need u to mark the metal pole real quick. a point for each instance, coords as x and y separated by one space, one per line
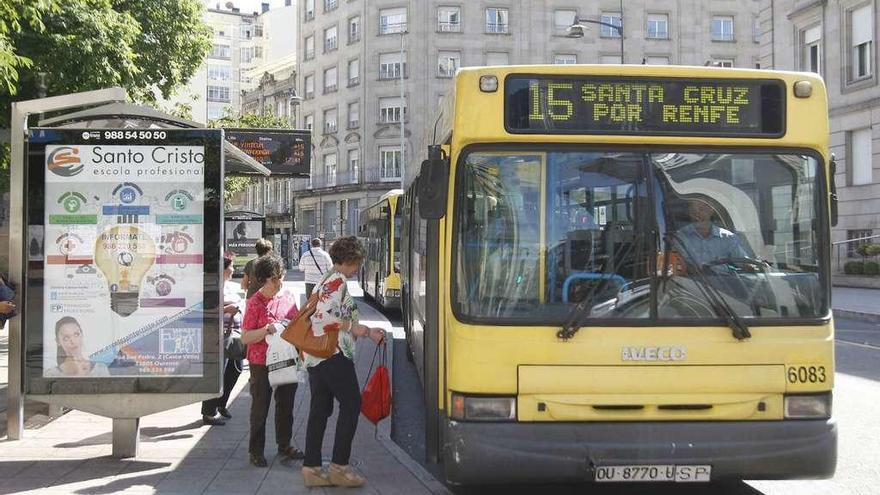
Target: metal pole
402 113
621 32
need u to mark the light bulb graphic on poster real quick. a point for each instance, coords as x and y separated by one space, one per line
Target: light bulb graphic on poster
124 262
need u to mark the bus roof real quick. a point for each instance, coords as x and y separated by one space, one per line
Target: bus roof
469 115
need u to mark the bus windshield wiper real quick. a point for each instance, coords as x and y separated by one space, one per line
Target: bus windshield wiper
713 295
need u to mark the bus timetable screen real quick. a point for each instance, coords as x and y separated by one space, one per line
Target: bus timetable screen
631 105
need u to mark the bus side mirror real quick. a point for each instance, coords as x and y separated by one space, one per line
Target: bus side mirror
833 189
433 185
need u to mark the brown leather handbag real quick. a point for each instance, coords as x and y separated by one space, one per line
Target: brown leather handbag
299 333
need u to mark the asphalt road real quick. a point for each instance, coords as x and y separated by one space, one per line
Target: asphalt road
856 399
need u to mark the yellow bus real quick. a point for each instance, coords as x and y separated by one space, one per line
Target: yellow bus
621 273
379 231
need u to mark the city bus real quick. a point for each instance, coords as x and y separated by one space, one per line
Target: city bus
621 274
379 231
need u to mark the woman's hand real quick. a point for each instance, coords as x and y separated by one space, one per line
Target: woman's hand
377 335
230 309
6 307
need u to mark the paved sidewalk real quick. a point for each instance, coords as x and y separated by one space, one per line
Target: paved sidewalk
860 304
179 455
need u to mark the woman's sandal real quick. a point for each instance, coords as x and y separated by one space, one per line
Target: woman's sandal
345 476
291 453
315 476
258 460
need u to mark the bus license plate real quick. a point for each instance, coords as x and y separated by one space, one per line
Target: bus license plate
654 473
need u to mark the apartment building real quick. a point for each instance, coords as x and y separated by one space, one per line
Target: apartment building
835 38
353 56
242 41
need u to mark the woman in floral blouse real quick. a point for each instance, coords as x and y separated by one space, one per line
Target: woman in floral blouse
335 377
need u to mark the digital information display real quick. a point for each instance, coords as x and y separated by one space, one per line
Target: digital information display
127 264
285 152
631 105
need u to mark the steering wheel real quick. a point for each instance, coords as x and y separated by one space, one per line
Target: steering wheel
759 264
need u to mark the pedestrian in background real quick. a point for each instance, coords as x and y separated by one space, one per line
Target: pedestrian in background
315 263
248 281
335 377
7 296
232 369
264 315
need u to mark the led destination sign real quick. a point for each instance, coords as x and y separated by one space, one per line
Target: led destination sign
686 107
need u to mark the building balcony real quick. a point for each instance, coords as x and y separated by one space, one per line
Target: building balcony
341 179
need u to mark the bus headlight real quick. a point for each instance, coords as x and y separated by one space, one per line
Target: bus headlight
817 406
466 408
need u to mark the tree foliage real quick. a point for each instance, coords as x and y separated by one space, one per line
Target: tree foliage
15 16
235 184
80 45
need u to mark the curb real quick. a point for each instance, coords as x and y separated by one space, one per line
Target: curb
856 315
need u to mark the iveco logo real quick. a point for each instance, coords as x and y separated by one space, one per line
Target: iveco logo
661 353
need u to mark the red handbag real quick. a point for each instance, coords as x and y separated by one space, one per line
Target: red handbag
376 396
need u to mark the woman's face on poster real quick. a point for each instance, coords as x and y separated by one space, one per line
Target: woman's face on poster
70 339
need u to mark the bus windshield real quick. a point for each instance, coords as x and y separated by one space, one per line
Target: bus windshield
630 235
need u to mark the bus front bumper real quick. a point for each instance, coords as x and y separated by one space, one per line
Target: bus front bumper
477 453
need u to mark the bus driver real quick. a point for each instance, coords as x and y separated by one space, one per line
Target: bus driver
702 242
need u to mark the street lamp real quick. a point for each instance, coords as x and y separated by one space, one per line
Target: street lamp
292 101
576 30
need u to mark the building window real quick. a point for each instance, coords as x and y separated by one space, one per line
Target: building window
497 21
722 62
497 58
330 39
390 66
563 19
861 41
222 52
354 165
330 80
330 5
389 162
391 110
309 83
330 125
310 48
258 30
218 93
614 19
354 72
330 169
565 59
220 72
448 63
449 19
354 115
354 30
811 49
609 59
722 28
861 160
309 122
247 54
392 20
310 10
756 29
658 26
657 60
852 235
215 112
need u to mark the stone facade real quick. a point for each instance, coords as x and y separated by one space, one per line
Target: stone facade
836 39
355 159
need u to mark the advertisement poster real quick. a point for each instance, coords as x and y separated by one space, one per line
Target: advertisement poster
124 266
285 152
242 235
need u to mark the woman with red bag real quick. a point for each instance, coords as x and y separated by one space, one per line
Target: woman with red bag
335 377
